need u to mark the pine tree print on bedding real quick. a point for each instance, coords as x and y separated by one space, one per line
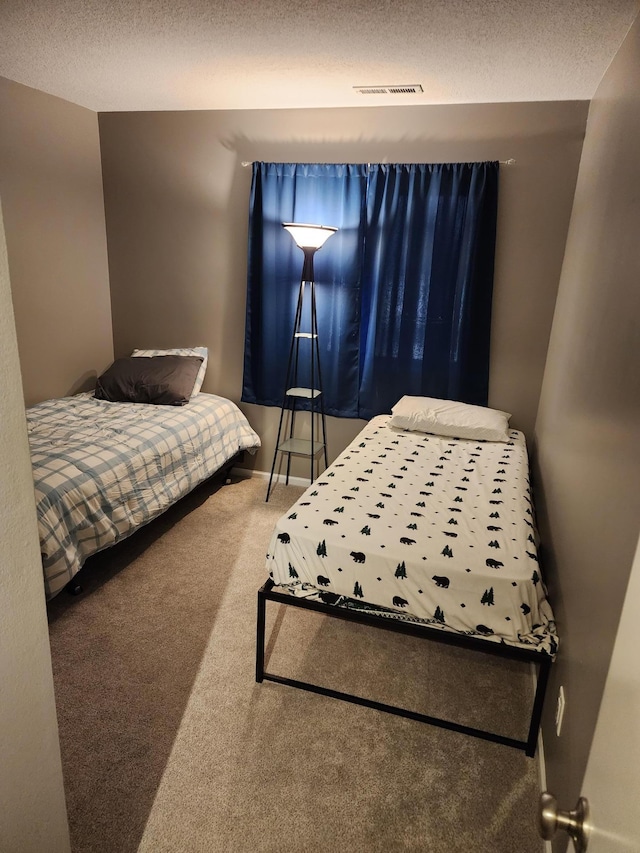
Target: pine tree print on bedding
422 527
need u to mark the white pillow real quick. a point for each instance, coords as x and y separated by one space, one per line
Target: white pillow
450 418
203 352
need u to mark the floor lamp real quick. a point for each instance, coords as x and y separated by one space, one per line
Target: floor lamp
309 238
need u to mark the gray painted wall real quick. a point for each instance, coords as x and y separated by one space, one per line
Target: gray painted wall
176 197
51 185
32 807
587 432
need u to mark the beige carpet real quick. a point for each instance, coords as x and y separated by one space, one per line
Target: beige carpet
168 744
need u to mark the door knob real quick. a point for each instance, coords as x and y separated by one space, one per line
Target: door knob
575 823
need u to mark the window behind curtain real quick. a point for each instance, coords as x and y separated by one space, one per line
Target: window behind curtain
403 289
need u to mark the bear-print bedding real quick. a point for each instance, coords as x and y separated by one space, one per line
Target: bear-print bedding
424 527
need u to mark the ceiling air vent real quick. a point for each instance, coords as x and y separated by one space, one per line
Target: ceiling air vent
411 89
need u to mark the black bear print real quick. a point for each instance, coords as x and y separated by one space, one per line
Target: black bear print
372 515
492 527
399 602
532 556
449 533
482 629
322 581
329 521
494 564
284 537
348 498
358 556
404 540
441 581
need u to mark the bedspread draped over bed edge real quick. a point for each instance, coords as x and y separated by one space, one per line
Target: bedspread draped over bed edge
102 469
426 528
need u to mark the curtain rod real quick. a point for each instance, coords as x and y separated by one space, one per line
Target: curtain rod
510 162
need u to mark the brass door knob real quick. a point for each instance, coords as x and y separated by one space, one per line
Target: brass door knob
575 823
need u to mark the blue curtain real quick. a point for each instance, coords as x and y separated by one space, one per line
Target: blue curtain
403 289
321 195
428 272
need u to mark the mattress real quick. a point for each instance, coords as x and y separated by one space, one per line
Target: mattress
423 527
102 470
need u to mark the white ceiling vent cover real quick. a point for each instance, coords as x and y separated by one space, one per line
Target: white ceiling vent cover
409 89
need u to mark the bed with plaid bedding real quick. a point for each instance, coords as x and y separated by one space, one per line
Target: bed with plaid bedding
102 470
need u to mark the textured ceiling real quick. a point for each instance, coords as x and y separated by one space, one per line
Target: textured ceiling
228 54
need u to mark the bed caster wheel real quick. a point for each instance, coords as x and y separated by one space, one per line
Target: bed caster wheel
74 588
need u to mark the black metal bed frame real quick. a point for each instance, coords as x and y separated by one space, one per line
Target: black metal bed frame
541 659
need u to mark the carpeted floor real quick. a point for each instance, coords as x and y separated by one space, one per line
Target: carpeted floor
168 744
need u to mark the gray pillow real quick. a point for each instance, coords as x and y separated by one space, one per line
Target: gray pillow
165 380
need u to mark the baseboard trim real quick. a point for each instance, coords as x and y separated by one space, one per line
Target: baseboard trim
542 768
248 473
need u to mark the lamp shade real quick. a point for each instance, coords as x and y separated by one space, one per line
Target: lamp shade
309 236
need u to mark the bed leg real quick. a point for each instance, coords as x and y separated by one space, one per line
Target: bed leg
538 703
74 587
262 607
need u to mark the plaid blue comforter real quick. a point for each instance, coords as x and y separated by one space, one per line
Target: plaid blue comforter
101 470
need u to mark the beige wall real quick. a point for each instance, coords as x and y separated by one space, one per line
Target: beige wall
176 198
32 806
588 426
51 185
